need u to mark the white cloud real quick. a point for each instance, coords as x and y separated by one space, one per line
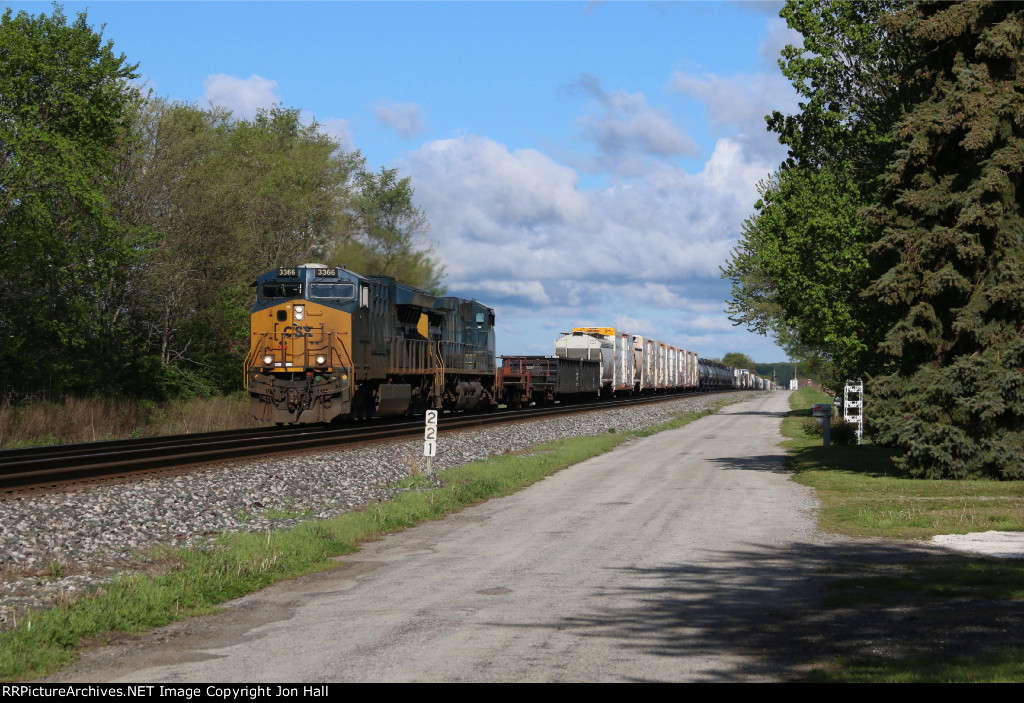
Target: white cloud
340 130
405 118
480 189
243 96
737 105
628 131
711 324
530 292
515 215
779 34
516 231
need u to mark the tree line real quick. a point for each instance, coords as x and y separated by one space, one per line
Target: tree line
132 227
890 243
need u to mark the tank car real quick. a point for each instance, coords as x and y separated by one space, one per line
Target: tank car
327 343
716 376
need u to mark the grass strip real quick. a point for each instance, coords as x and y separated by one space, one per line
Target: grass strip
241 563
862 494
1006 666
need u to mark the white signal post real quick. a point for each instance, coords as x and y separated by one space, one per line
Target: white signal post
430 439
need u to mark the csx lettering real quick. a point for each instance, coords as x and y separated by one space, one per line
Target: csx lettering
297 331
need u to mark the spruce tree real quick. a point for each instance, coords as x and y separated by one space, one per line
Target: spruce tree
950 259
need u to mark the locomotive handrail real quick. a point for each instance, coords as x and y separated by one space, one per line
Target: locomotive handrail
439 374
250 357
335 337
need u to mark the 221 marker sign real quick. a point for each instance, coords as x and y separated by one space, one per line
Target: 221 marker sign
430 434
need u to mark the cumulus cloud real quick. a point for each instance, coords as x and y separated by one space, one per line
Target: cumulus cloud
405 118
516 230
738 104
515 214
628 131
526 292
486 191
243 96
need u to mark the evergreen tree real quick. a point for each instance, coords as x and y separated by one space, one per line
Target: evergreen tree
950 260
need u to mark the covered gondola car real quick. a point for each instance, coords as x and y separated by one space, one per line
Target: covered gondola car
327 343
542 380
614 348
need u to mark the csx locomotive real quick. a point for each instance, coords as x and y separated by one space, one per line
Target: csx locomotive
328 344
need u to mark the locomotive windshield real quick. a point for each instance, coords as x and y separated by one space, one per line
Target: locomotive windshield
335 291
281 289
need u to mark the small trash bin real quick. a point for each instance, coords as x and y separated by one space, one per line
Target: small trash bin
822 412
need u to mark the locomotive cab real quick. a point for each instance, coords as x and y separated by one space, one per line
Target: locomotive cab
300 362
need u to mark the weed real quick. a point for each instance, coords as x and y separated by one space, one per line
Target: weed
69 420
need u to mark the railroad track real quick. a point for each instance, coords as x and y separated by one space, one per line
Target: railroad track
42 468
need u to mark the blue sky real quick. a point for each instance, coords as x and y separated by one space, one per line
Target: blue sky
579 163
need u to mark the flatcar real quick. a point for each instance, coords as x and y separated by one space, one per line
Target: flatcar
327 344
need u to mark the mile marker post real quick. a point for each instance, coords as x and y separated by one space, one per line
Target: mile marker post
430 439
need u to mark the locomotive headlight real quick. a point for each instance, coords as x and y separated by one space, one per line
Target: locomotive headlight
321 360
268 360
299 312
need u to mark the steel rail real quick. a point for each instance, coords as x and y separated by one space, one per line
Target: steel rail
61 463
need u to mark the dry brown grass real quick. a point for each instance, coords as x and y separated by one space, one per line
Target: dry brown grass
88 420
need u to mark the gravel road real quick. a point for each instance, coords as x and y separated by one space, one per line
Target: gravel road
645 564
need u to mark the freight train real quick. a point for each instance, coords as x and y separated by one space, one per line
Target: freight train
329 344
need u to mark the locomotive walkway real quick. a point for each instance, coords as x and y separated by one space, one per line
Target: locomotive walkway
672 558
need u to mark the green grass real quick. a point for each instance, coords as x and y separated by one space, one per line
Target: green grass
865 495
1001 581
194 581
862 494
1005 666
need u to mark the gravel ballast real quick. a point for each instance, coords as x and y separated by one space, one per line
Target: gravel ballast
58 545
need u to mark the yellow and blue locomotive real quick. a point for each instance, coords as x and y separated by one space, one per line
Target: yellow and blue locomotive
328 344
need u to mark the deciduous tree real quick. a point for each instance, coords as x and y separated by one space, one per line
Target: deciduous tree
65 99
801 265
388 233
